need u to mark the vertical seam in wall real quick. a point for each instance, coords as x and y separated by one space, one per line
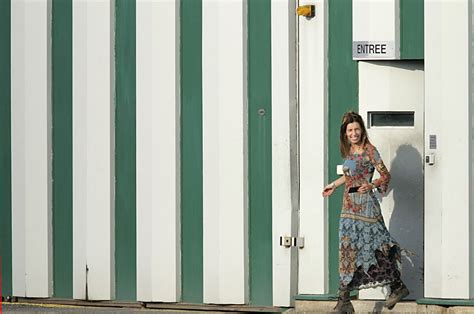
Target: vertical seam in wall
294 139
245 149
326 137
471 147
113 149
401 29
398 22
178 147
49 166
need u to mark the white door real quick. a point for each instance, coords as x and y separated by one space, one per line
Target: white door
391 101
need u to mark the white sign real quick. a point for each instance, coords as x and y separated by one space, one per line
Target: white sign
373 50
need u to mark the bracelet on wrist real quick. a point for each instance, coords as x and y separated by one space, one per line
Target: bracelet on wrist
333 185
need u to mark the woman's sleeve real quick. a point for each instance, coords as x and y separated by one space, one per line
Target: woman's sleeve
382 182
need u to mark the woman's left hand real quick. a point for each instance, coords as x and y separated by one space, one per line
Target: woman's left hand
364 188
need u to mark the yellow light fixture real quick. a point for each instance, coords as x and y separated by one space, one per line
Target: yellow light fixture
306 10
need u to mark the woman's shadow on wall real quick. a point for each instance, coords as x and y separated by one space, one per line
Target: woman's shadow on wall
406 220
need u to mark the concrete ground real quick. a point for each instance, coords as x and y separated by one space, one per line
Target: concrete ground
377 307
300 307
28 305
17 308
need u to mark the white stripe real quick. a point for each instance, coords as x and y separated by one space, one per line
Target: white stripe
313 125
471 147
224 131
93 208
158 243
374 21
31 155
283 144
447 212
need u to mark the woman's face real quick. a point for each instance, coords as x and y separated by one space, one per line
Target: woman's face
354 132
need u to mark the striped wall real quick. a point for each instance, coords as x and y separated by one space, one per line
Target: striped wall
157 150
141 150
176 165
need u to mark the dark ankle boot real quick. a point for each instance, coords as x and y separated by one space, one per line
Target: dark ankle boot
399 291
344 304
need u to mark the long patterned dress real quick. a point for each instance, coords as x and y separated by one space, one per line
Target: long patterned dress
368 255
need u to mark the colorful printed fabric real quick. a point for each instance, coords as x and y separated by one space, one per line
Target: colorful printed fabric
368 255
385 272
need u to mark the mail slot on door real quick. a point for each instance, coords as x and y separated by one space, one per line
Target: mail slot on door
394 119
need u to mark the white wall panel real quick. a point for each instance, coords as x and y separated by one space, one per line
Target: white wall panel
312 273
93 167
158 244
377 22
283 148
447 211
224 139
31 149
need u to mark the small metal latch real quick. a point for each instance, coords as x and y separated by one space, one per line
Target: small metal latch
430 159
306 10
298 242
288 241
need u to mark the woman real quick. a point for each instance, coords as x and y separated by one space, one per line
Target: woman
368 255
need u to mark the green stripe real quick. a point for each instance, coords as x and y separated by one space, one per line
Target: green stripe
343 96
260 152
62 147
5 151
191 151
125 149
446 302
411 29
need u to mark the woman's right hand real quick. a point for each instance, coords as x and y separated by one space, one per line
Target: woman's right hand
328 190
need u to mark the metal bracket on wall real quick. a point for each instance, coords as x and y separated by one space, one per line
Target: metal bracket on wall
289 241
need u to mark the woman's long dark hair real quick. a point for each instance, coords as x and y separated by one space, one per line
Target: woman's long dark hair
344 145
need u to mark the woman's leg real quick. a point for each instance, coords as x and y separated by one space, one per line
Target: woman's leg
398 289
344 304
398 292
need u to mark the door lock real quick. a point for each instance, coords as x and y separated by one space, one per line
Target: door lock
430 159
